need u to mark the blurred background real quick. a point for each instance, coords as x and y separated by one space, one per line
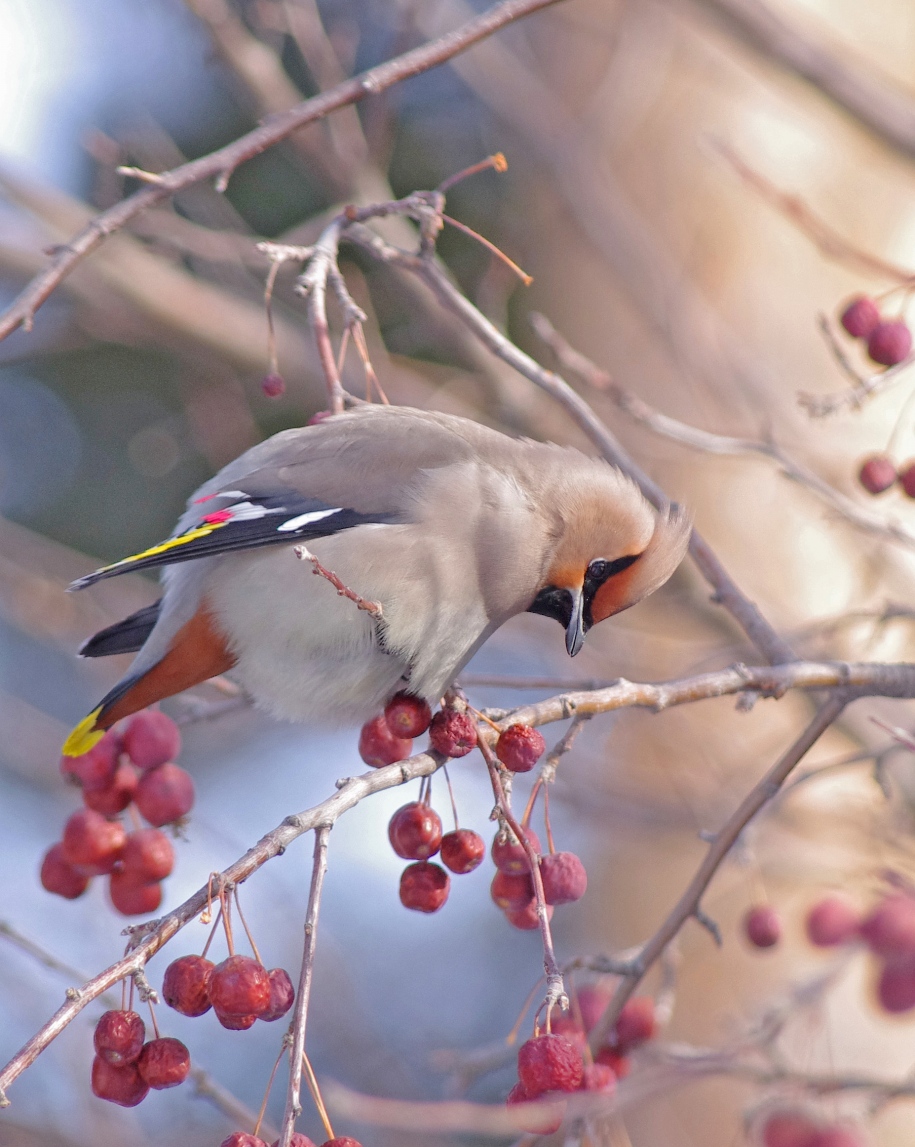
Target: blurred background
653 257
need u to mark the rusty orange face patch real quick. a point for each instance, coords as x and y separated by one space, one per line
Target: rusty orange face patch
614 595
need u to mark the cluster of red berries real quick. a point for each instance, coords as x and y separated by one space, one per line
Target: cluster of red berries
879 472
240 990
388 738
243 1139
415 833
562 873
126 1065
133 766
795 1128
553 1065
889 341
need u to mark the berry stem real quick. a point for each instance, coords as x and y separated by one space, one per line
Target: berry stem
263 1107
516 1027
451 795
531 801
546 819
152 1016
312 1082
555 991
226 913
300 1015
244 924
206 946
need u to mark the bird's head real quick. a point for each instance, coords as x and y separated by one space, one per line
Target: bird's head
613 549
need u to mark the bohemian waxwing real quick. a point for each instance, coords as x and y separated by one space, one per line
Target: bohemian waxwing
453 528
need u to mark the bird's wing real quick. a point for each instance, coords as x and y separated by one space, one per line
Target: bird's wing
125 636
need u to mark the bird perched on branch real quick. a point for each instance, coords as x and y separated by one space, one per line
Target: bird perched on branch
451 528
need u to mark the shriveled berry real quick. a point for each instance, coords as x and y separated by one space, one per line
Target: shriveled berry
122 1085
131 899
788 1129
282 994
564 878
378 746
615 1060
462 850
60 877
877 473
148 855
889 929
520 747
537 1116
297 1140
452 734
242 1139
526 918
509 856
762 926
415 831
235 1023
860 316
185 986
831 921
164 795
151 738
164 1063
407 716
342 1141
636 1024
119 1037
907 479
600 1078
511 889
592 1003
240 986
115 797
424 887
273 385
569 1027
95 769
896 986
549 1063
889 342
91 843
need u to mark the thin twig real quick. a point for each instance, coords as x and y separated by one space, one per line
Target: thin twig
371 607
865 385
300 1015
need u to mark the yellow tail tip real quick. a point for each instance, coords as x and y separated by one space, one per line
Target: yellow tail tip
84 737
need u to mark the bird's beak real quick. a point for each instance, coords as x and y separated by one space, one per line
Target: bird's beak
575 630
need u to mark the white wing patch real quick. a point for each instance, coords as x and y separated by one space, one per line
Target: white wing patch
305 519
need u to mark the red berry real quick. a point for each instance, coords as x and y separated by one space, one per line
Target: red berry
342 1141
907 479
599 1077
512 889
762 926
378 746
520 747
242 1139
889 342
117 796
837 1136
564 878
122 1085
164 1063
60 877
240 986
273 385
542 1119
282 994
164 794
119 1037
452 734
788 1129
415 831
462 850
185 986
509 856
148 855
569 1027
526 918
549 1063
151 738
635 1025
235 1023
132 899
91 843
831 921
889 929
592 1003
407 716
95 769
297 1140
877 474
615 1060
896 986
860 316
424 887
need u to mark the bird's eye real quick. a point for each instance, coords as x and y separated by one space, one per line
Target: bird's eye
600 569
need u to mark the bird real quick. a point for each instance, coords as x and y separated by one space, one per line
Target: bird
449 526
